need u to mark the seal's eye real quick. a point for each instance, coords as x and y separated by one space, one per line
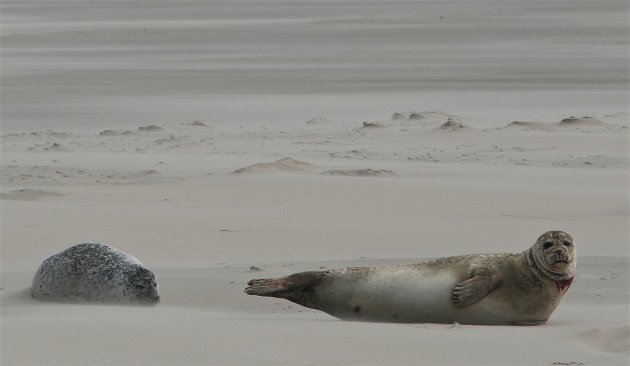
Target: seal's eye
567 243
140 286
547 244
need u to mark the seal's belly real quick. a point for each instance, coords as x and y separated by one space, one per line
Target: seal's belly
406 296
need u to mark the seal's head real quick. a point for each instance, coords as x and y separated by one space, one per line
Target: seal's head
143 287
553 256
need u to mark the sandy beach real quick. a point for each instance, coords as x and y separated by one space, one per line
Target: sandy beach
223 141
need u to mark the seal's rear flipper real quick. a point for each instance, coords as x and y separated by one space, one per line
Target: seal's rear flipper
265 287
288 287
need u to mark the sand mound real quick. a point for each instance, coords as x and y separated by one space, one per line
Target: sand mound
414 116
199 124
361 173
317 121
55 147
613 340
282 165
527 124
115 133
428 115
132 175
452 124
417 116
372 125
150 128
47 133
28 195
584 121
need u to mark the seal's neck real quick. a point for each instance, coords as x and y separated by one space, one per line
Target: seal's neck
563 280
563 285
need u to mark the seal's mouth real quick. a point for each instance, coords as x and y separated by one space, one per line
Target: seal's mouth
559 256
559 260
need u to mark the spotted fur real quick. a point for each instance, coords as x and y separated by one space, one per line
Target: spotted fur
93 272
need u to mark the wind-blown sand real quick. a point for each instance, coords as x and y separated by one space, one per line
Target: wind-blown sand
220 144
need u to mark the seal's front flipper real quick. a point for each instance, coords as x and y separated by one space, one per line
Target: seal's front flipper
283 287
468 292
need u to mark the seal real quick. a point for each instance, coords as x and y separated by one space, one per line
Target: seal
93 272
487 289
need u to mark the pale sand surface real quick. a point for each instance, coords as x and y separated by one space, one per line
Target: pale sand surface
181 209
163 133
